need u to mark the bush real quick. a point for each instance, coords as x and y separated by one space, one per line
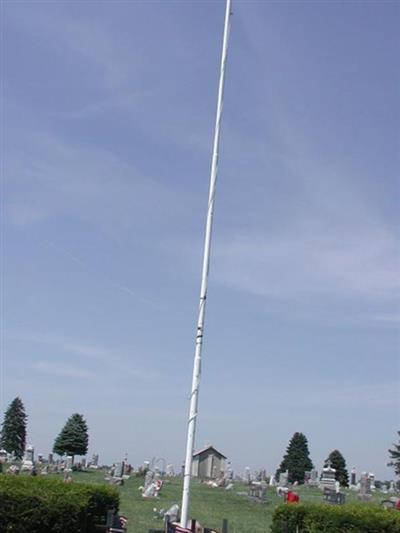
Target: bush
39 505
315 518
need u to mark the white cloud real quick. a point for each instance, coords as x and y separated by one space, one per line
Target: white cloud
113 363
319 233
91 352
54 178
311 260
87 38
62 369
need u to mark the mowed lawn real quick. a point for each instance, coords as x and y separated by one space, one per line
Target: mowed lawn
209 506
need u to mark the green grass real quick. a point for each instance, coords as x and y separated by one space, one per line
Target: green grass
208 505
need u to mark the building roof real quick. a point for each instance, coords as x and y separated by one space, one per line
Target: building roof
206 449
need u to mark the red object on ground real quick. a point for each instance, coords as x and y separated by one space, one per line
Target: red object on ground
398 504
292 497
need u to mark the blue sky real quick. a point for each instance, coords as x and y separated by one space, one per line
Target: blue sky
108 113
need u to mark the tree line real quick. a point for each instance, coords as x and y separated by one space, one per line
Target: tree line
73 438
297 462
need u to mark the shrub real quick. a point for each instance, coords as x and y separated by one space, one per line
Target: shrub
314 518
39 505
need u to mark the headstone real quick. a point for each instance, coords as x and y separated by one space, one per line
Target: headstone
115 523
126 470
247 475
13 469
222 479
170 470
272 481
148 480
3 456
365 487
28 460
335 497
119 469
83 462
29 453
50 459
152 486
258 491
116 474
372 481
328 478
172 514
229 471
11 457
392 487
313 482
40 458
283 479
353 481
69 463
94 463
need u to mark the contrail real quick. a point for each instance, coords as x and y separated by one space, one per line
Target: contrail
106 277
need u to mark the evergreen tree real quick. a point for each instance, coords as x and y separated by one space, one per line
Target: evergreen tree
395 457
297 459
338 462
13 432
73 438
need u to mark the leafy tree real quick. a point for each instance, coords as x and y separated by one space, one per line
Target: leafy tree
395 457
73 438
13 432
338 462
297 459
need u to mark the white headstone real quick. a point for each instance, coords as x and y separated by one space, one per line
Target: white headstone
313 482
365 487
29 453
119 469
328 481
69 463
28 460
283 479
94 463
372 481
148 480
170 470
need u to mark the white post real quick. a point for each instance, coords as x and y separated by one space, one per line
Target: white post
204 280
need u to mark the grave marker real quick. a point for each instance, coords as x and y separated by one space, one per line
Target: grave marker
283 479
365 487
328 481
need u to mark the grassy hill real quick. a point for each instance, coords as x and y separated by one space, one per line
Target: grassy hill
209 506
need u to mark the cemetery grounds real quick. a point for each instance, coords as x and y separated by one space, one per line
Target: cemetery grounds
208 505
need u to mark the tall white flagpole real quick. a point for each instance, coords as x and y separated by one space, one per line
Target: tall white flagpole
204 281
